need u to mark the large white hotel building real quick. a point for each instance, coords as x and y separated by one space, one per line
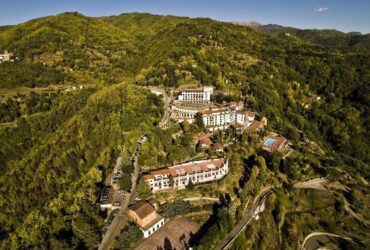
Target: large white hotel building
196 95
180 176
221 119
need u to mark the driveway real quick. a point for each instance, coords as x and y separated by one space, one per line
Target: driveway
120 219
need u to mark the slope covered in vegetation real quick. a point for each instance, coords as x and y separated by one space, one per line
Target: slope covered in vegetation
49 190
53 161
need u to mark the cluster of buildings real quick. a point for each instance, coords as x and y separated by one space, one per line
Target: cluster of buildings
191 102
6 56
159 232
217 116
180 176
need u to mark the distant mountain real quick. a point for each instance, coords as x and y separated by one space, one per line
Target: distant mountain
248 24
327 37
53 162
5 27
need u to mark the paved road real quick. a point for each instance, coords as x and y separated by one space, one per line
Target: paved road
117 165
202 199
323 184
119 219
254 209
319 183
316 239
167 110
251 211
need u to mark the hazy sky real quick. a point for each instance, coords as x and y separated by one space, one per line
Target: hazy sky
344 15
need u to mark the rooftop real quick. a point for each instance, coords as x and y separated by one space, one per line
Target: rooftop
247 112
218 147
142 209
153 222
188 168
254 127
175 234
214 111
205 142
192 90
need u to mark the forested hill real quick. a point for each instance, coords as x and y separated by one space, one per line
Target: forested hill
327 37
62 144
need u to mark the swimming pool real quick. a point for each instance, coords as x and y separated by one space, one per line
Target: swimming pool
270 142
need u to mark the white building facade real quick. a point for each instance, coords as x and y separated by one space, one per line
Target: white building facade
5 57
196 95
152 228
180 176
222 119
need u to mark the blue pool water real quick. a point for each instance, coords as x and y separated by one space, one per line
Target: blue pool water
269 142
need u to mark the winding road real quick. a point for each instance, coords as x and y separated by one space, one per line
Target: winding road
316 239
252 210
120 218
167 110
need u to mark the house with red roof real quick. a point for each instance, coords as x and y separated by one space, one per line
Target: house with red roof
181 175
145 216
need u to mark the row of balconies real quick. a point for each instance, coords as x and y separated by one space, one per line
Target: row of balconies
183 181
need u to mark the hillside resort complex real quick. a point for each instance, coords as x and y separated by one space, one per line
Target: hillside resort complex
215 116
180 176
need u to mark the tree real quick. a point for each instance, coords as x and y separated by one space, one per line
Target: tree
177 207
253 184
144 190
125 181
263 169
185 126
129 238
190 185
199 120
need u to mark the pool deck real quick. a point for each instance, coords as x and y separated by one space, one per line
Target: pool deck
274 143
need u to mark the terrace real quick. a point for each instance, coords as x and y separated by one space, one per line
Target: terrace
274 143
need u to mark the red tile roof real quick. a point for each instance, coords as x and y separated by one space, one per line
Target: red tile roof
176 233
255 125
218 146
142 209
205 142
188 168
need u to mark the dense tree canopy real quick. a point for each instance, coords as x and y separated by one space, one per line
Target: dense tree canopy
62 145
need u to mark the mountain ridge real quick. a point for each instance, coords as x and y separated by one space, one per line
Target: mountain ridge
313 91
